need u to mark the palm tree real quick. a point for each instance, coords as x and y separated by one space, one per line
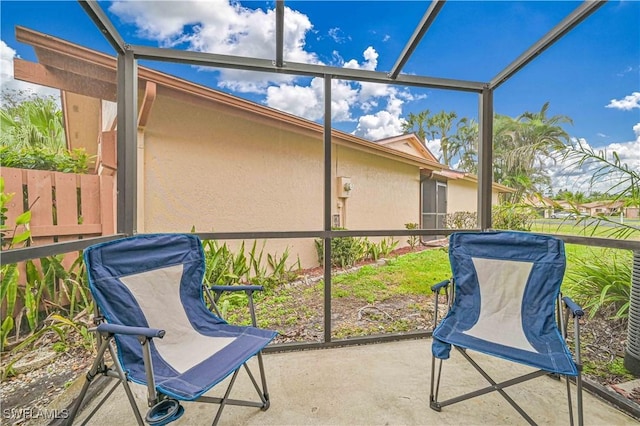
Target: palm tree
418 124
523 144
440 125
464 145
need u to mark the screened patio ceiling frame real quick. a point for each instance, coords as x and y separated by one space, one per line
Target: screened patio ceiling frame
127 93
127 108
127 101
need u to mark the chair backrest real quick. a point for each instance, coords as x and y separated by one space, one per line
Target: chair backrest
152 280
506 291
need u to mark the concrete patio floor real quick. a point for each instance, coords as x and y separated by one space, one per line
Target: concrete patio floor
378 384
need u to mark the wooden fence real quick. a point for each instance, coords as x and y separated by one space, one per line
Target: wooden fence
64 206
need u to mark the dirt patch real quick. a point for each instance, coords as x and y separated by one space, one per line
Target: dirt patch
27 396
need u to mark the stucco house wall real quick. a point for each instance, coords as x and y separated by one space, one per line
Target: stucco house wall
208 167
462 196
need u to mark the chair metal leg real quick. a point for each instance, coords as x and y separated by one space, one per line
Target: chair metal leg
499 387
262 393
125 384
98 367
576 328
98 364
223 402
569 401
102 401
435 385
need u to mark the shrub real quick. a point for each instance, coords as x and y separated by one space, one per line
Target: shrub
516 217
375 251
345 251
413 240
602 281
44 158
462 220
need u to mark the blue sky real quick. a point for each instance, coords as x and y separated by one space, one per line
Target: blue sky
592 75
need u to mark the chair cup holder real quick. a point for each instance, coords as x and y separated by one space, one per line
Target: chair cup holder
165 411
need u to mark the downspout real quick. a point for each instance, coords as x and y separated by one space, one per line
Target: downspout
143 117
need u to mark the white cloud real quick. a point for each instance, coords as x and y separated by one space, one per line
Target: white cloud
382 124
222 27
377 123
226 27
8 83
6 61
435 148
628 103
627 70
370 61
336 35
308 101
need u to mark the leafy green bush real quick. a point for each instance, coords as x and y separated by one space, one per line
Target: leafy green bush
44 158
345 251
33 136
413 240
602 282
50 290
516 217
224 267
461 220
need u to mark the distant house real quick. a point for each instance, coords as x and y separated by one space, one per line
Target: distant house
594 208
216 162
544 205
610 208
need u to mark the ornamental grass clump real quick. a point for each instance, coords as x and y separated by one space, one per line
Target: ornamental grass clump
602 283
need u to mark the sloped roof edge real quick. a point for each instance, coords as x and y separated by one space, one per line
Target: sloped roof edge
98 60
412 139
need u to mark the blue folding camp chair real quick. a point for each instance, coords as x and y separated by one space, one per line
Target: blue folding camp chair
506 302
149 291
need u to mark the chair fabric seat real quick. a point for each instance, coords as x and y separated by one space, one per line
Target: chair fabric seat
194 382
155 281
506 288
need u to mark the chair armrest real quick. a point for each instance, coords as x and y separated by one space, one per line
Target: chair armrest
573 306
436 287
130 331
248 288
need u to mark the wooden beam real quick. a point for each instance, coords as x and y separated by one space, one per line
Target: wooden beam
64 80
147 103
65 62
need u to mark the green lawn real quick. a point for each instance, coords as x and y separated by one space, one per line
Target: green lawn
572 227
395 295
379 298
413 273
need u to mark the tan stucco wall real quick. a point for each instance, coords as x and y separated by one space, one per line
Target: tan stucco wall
217 171
462 196
386 193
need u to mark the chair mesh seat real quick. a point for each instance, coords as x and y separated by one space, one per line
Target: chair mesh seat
156 281
506 288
